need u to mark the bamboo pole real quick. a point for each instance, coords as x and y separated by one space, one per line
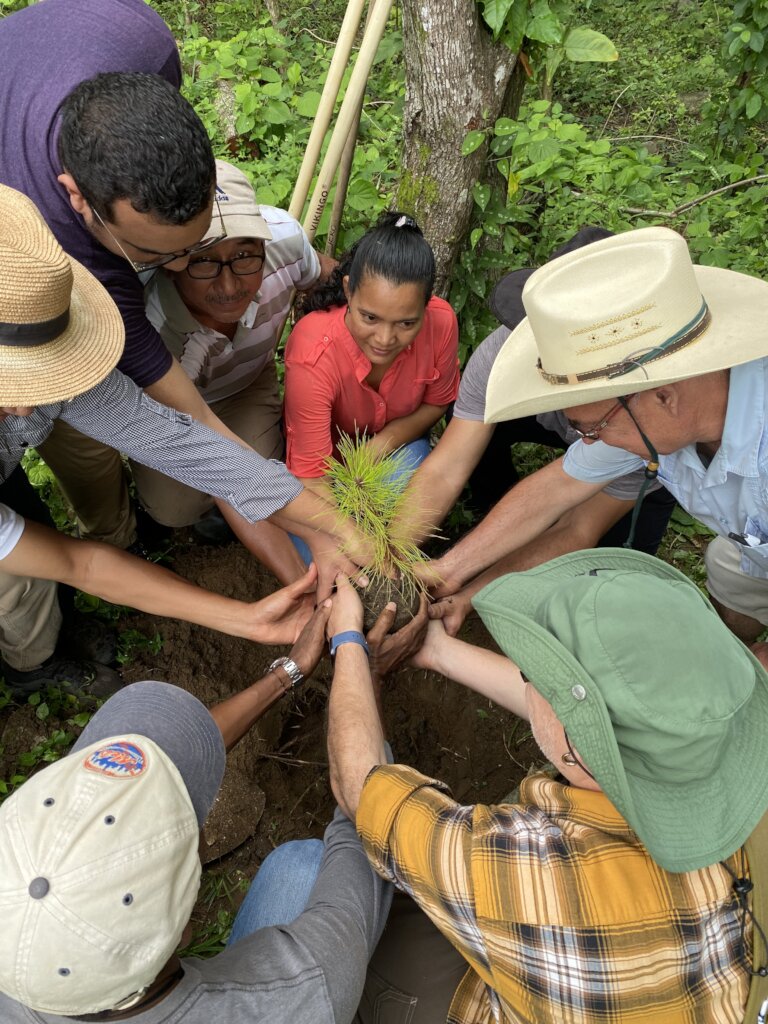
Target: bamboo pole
338 66
345 167
349 107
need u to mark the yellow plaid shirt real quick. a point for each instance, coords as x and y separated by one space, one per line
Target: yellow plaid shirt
558 907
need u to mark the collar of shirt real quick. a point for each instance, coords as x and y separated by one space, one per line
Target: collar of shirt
744 429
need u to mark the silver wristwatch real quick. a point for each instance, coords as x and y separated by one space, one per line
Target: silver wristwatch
294 672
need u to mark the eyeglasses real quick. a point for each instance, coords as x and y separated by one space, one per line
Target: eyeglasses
168 257
206 270
593 434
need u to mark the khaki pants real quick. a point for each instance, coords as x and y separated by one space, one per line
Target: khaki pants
93 478
733 588
30 620
253 414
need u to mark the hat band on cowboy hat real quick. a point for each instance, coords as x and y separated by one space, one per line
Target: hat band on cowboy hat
687 334
621 315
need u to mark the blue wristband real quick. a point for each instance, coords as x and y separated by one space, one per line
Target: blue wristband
350 636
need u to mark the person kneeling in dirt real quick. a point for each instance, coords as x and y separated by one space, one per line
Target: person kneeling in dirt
60 338
616 892
101 873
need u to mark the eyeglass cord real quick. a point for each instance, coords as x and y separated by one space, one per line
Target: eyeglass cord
741 888
651 472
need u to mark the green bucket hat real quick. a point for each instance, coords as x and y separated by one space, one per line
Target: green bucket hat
667 709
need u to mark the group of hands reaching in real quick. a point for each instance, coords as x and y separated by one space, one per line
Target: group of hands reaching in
291 616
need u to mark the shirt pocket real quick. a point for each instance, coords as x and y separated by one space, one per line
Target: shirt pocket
754 557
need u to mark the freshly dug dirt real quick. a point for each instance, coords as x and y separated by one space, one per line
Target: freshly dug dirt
377 596
276 786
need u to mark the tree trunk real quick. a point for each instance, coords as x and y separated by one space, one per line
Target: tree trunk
458 80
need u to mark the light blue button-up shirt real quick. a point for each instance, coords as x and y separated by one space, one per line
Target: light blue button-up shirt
730 495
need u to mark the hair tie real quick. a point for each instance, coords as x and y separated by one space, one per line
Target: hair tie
405 222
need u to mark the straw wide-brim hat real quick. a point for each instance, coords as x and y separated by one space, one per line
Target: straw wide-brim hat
664 705
60 332
622 315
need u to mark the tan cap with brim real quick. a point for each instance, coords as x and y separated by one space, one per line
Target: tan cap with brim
60 332
623 315
237 202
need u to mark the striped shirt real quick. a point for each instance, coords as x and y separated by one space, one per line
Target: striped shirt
220 367
558 908
118 413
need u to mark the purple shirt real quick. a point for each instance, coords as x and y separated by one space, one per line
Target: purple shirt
45 51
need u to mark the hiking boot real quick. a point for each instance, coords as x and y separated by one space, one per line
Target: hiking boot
86 638
86 679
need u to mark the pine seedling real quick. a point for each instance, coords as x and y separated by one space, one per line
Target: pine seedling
362 483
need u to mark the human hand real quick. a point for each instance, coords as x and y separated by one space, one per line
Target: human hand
389 650
431 654
452 611
435 575
347 608
330 561
308 649
279 618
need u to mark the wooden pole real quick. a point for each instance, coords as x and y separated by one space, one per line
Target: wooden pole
338 65
349 111
345 167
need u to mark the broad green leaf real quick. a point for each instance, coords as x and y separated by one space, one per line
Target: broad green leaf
584 44
757 42
472 142
308 103
754 103
276 112
506 126
481 194
545 29
475 236
361 194
495 13
293 74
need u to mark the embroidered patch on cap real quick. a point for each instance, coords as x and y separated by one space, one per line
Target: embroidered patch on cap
118 760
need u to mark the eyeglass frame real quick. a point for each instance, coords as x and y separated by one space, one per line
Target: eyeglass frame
228 263
169 257
593 434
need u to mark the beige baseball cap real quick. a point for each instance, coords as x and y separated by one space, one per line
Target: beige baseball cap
100 854
236 200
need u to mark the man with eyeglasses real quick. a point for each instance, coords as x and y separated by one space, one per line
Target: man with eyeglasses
221 317
661 366
96 133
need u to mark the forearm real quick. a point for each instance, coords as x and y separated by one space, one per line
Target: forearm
120 578
486 672
236 715
407 428
431 493
523 514
355 736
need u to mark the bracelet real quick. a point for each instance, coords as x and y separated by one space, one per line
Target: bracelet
350 636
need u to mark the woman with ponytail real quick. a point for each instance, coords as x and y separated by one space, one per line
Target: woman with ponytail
376 355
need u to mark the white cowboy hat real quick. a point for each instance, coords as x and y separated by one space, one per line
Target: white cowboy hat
623 315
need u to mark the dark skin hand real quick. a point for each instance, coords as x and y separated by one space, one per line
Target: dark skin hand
389 650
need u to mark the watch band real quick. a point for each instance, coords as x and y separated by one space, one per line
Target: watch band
291 668
349 636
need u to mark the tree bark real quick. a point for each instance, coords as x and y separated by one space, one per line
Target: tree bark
458 80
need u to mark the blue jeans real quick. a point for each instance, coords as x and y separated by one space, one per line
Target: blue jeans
411 456
280 891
